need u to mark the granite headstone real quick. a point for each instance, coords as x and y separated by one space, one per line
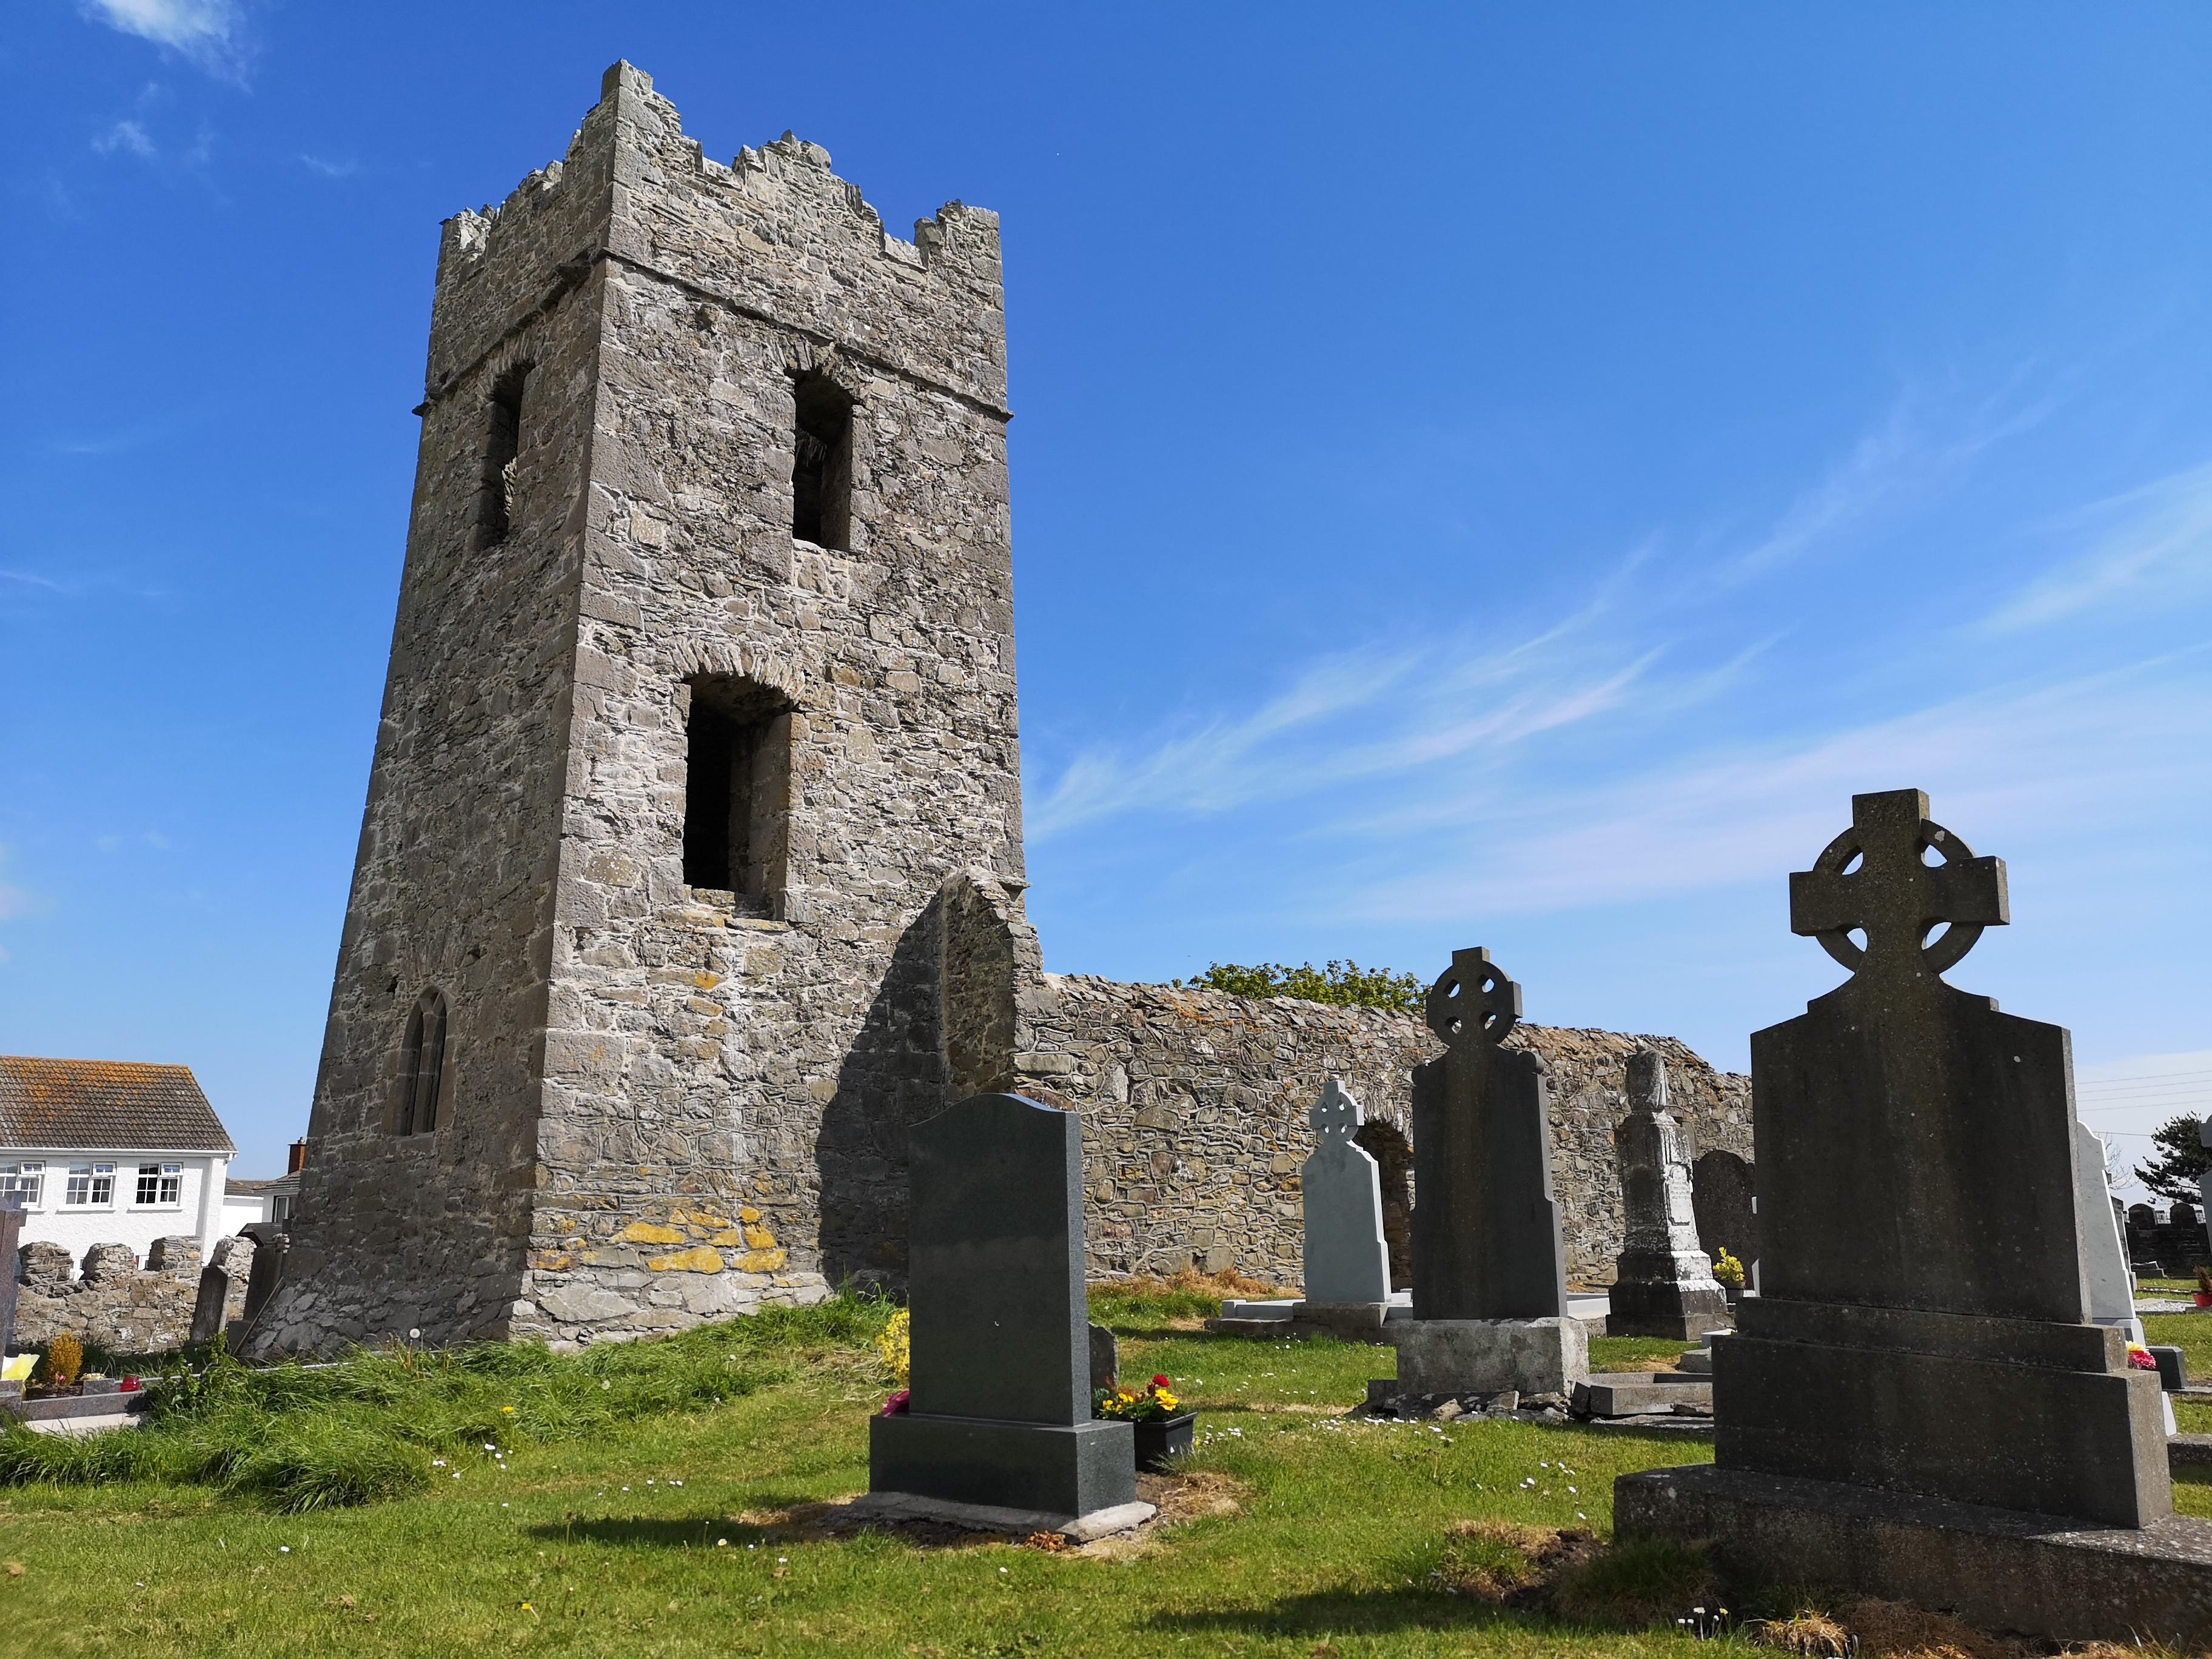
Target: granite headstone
1490 1284
1663 1283
1346 1259
1487 1241
1000 1391
1921 1220
11 1227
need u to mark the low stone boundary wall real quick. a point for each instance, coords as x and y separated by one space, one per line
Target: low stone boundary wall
114 1303
1194 1110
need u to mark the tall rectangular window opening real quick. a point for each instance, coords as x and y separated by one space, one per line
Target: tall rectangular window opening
737 790
496 499
821 465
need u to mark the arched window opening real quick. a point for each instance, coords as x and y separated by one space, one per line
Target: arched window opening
737 791
821 465
502 450
421 1066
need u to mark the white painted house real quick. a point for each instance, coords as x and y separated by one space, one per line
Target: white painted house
105 1152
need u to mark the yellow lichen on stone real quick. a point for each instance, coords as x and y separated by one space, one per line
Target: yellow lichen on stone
729 1236
760 1238
761 1261
551 1261
706 981
697 1260
685 1217
746 1212
645 1232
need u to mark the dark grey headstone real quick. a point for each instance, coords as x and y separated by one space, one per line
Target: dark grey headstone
207 1308
1722 1186
1922 1322
1485 1230
999 1402
11 1226
1663 1283
270 1246
1105 1359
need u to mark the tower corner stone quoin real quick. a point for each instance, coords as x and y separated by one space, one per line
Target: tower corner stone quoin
691 872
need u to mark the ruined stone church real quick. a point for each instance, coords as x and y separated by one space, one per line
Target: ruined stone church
690 874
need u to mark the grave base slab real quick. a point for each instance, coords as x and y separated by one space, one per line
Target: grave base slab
1680 1313
1486 1356
2004 1570
990 1517
1064 1469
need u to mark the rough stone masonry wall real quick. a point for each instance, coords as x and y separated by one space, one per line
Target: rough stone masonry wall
1194 1110
114 1304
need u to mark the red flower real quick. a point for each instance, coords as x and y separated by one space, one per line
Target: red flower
896 1405
131 1385
1160 1382
2142 1360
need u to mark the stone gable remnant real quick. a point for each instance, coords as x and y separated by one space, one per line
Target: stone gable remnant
1346 1259
1663 1284
999 1411
1917 1405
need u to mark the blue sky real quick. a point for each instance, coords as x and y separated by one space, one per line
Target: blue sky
1499 475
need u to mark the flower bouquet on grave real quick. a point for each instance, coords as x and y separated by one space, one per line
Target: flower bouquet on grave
2140 1358
2204 1287
1156 1412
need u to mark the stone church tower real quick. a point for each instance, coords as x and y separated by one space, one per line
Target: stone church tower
696 800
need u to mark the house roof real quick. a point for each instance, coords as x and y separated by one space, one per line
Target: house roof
102 1105
281 1186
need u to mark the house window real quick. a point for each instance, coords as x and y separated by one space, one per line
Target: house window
421 1066
89 1187
160 1185
821 465
736 789
495 487
26 1181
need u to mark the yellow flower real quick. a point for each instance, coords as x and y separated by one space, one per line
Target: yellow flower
506 1408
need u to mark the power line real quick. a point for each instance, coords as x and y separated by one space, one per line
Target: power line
2143 1077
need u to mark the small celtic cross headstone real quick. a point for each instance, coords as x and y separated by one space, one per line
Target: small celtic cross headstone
1346 1258
1921 1220
1486 1241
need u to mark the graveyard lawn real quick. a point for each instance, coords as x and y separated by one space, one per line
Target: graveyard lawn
615 1543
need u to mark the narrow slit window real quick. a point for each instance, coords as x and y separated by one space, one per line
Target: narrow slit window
421 1066
821 465
495 500
736 790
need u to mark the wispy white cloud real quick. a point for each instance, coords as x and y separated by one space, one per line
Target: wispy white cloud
1999 766
127 136
205 33
1914 450
329 169
1363 714
2152 544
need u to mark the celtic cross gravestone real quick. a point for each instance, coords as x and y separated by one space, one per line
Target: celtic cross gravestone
1490 1283
1918 1386
1347 1260
1663 1283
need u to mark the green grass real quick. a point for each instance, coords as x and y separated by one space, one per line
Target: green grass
578 1540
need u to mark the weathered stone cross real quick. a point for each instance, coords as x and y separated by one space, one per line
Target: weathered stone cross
1874 877
1473 994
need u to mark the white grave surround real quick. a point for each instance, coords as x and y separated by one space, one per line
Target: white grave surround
2104 1255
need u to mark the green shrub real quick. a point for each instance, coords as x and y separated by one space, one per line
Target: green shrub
1345 984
